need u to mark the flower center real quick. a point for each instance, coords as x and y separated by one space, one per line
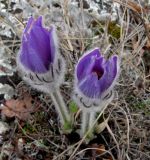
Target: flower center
99 73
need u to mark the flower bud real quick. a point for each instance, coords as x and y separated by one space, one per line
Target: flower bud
39 59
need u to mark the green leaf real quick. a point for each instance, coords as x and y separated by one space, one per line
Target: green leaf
67 127
73 107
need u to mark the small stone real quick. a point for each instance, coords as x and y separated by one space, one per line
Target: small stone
3 127
20 146
85 4
7 150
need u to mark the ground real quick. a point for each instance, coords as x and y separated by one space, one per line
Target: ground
31 130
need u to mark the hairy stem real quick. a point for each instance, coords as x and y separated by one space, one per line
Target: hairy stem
91 120
84 123
63 105
58 109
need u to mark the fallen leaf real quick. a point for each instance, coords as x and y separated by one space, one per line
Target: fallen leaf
136 7
133 6
20 108
99 150
148 42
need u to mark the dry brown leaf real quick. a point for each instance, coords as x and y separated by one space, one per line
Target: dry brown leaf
136 7
133 6
110 158
100 149
20 108
148 44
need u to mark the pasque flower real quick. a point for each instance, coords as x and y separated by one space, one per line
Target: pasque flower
39 60
95 77
41 64
94 80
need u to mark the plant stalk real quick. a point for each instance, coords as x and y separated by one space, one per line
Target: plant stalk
84 123
63 105
91 120
60 107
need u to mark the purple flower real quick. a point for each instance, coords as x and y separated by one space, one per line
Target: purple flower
39 59
95 77
38 46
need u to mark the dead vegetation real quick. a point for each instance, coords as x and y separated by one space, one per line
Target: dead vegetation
34 129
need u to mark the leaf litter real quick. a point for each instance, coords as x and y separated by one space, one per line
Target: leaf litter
128 114
20 108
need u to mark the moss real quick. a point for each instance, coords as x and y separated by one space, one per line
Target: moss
39 116
29 128
144 106
140 105
114 30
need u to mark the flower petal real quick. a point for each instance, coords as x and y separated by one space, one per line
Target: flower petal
53 42
39 41
89 86
38 21
29 24
86 63
110 74
37 45
30 59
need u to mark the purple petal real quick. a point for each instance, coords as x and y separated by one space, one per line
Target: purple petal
39 41
53 43
29 24
38 49
30 59
90 86
110 73
38 22
86 63
39 46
